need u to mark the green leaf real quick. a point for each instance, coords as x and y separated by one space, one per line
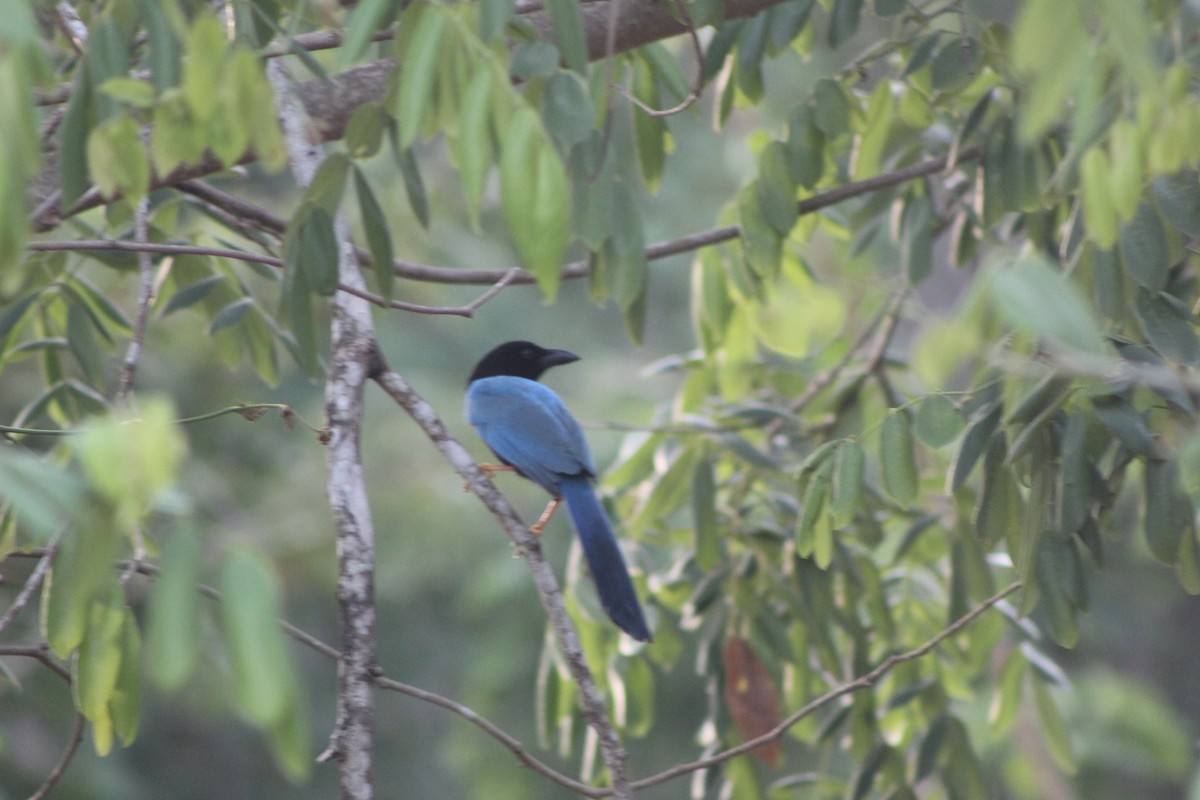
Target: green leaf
775 191
365 19
1168 327
974 444
705 522
897 457
1006 701
843 20
832 108
1099 210
566 108
82 339
536 198
206 46
315 249
1144 248
262 669
850 461
650 132
192 293
567 19
289 740
132 91
230 315
1168 511
45 496
762 246
364 131
493 17
953 67
414 186
74 130
805 147
1126 423
131 457
814 529
474 151
328 184
1053 568
938 421
1054 727
126 703
929 754
165 61
379 240
536 59
82 568
117 160
1035 297
297 299
95 671
418 75
1178 196
173 613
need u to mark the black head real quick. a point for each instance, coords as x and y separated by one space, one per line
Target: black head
521 360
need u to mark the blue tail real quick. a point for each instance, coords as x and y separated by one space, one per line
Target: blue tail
604 557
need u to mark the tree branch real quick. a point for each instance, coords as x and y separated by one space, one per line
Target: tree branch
137 339
514 745
32 584
142 248
63 761
352 741
863 682
579 269
330 103
530 550
305 638
39 652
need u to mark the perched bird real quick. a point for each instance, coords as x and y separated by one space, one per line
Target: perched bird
529 428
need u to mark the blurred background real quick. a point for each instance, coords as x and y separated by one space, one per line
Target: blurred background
457 613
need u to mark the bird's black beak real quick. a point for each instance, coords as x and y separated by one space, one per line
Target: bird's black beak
554 358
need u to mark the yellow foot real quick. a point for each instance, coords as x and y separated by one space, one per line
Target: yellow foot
489 470
539 526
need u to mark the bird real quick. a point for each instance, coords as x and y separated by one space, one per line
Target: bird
530 430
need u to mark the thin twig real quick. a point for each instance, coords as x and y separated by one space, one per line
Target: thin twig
137 339
39 652
71 25
84 245
514 745
32 584
509 741
862 682
427 273
248 411
887 319
64 760
697 87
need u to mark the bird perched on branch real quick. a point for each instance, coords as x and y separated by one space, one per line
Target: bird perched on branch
531 431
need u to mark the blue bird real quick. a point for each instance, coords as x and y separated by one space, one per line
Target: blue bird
529 428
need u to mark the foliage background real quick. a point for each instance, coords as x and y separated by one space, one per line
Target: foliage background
457 614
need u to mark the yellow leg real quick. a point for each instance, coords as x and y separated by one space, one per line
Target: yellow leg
489 470
539 526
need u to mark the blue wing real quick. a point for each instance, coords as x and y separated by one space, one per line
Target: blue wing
528 426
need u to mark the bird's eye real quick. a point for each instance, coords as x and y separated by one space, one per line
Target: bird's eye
527 353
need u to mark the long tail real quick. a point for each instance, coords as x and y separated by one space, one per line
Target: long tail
604 557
